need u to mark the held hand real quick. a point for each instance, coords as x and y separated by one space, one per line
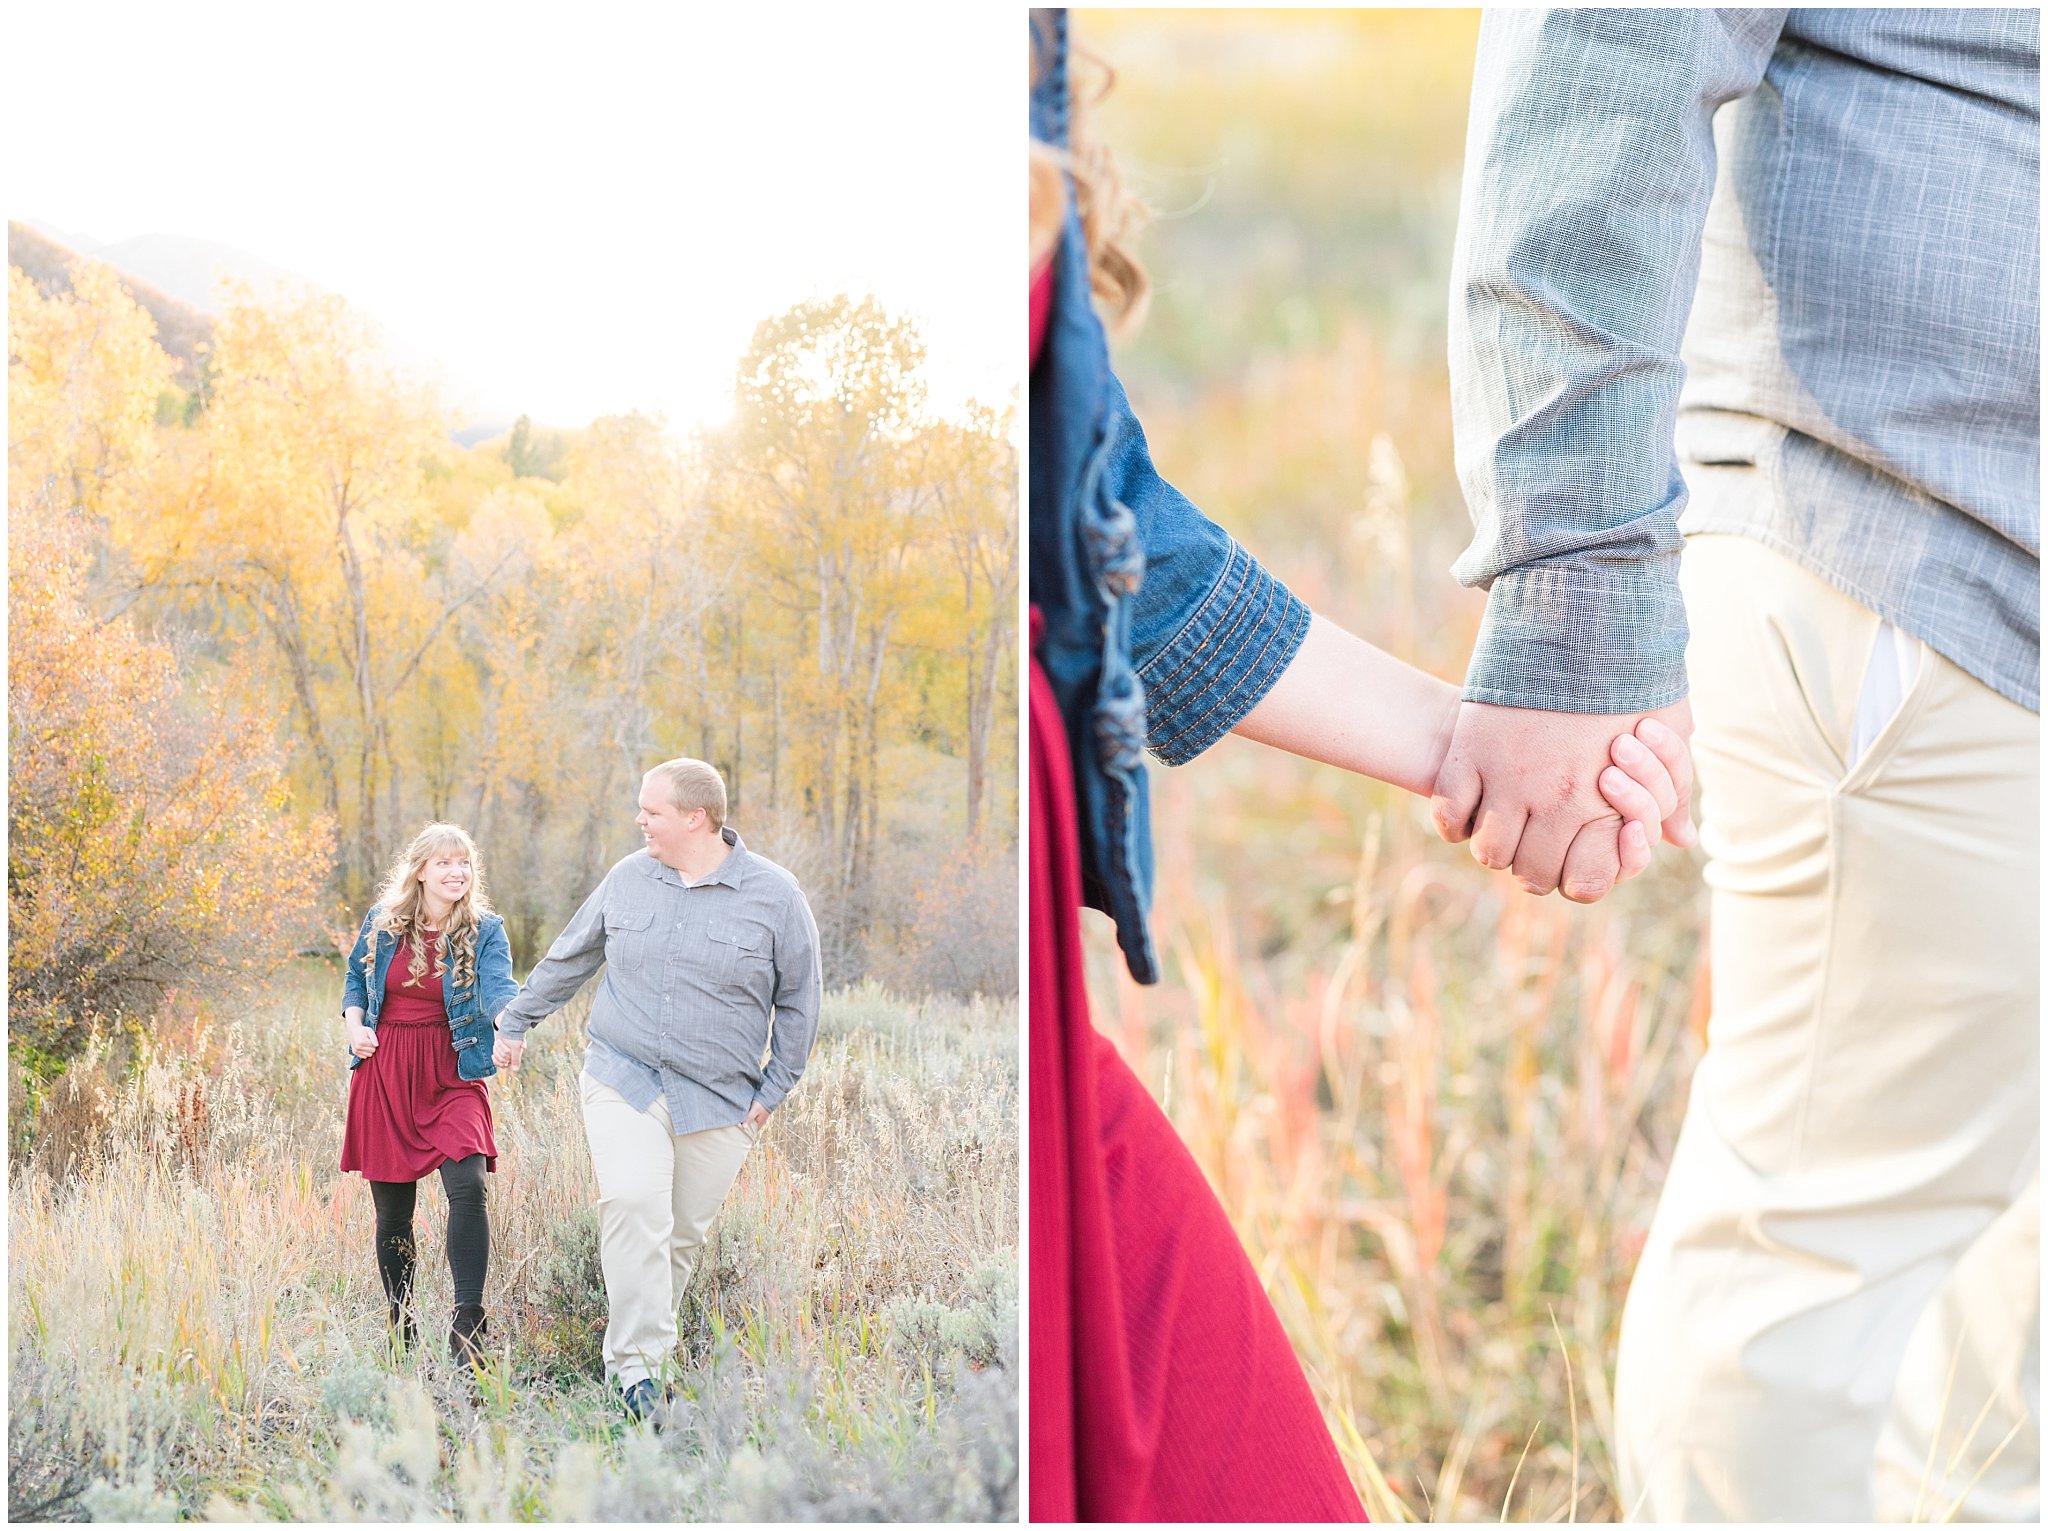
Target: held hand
1522 785
506 1053
757 1116
1649 781
362 1041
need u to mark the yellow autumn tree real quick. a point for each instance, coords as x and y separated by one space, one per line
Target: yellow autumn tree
967 471
83 374
304 516
818 598
826 400
151 844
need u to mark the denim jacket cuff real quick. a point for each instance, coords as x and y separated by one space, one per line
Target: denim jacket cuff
1223 660
1570 636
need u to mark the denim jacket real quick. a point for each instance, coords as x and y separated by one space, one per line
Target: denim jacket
472 1012
1157 629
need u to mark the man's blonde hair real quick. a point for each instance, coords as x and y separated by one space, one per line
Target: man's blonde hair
693 784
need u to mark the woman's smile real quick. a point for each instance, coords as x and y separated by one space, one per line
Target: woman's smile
446 878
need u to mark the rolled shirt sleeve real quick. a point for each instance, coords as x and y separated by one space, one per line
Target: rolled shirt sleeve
1211 628
1589 166
577 954
799 986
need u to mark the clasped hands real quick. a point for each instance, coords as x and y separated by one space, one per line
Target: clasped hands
1571 802
507 1052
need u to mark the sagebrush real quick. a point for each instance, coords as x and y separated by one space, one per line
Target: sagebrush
197 1330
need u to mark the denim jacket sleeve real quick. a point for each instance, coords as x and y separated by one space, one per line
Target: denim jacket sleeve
1588 169
494 968
1211 629
355 988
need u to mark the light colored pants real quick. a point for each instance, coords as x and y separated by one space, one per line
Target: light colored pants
1846 1248
657 1195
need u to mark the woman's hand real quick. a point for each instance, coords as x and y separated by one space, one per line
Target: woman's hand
362 1041
1650 786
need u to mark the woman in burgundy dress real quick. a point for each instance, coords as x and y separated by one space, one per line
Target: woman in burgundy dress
428 975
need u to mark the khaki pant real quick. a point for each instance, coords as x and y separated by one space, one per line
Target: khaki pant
657 1195
1846 1249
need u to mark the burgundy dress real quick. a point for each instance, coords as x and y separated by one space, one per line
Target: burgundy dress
1162 1385
408 1109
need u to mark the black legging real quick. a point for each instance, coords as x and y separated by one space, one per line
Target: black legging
469 1230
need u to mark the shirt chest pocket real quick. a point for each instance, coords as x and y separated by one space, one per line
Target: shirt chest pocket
741 954
629 938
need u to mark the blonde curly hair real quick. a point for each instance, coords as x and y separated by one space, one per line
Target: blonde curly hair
1110 215
401 907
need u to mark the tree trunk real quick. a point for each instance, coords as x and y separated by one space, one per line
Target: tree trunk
282 618
774 739
736 689
366 701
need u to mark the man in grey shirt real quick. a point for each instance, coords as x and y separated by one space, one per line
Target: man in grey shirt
1765 286
710 960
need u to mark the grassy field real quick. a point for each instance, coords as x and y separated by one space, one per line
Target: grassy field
197 1329
1438 1110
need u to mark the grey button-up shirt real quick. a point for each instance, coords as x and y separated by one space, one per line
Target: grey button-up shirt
701 982
1854 195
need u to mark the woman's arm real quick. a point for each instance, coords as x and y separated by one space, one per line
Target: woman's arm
495 987
355 984
1346 703
355 993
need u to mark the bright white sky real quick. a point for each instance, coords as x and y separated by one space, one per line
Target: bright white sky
576 210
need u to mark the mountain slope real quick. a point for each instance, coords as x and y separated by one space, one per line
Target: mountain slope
181 329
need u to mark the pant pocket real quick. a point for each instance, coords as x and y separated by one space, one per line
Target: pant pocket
1896 682
1780 661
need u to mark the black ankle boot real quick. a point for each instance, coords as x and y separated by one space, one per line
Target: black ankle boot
394 1269
465 1334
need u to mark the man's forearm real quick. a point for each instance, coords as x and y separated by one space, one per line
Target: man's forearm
799 991
577 953
551 985
1590 164
789 1049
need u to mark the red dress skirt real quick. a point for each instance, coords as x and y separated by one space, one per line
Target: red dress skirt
1162 1385
408 1110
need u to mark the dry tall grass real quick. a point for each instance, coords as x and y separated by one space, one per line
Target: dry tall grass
1438 1111
196 1325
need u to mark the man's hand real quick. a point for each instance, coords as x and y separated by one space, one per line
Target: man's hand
1523 786
757 1116
506 1053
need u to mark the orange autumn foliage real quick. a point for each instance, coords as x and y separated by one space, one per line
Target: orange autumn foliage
150 845
149 842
